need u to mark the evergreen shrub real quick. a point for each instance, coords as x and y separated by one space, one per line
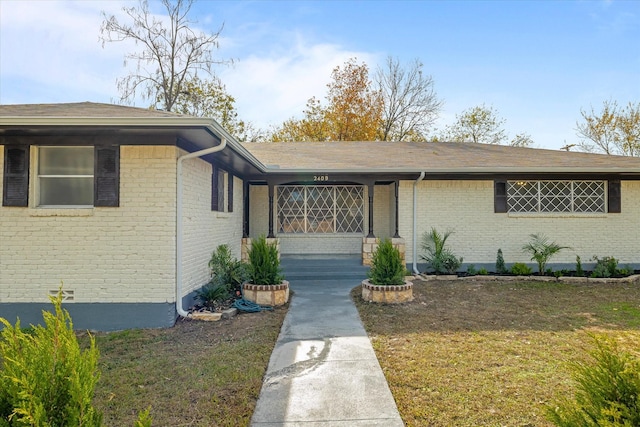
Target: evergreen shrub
387 267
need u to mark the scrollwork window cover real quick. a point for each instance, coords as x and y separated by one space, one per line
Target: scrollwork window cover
556 196
320 209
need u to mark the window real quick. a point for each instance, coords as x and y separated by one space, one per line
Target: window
556 196
65 176
221 185
320 209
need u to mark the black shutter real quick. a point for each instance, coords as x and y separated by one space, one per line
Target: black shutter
214 188
500 196
107 176
16 176
230 193
615 197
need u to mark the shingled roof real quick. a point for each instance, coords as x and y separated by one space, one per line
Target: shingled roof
348 157
434 157
80 109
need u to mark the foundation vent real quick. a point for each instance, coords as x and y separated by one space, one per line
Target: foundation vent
67 295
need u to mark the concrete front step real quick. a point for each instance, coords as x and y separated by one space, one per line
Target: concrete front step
319 267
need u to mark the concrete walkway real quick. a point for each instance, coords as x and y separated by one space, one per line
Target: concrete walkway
323 370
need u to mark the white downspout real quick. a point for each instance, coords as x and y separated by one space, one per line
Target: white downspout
415 223
179 231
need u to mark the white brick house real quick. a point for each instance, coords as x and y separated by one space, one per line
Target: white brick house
101 197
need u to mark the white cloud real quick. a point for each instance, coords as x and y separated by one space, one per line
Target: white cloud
272 88
51 49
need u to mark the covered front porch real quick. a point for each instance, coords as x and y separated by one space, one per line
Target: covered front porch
323 214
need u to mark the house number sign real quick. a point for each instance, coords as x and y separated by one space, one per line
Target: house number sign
321 178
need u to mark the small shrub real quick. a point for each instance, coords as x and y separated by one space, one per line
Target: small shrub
500 267
226 268
386 265
607 390
227 274
45 378
541 250
264 264
471 270
605 267
520 269
625 271
483 271
579 270
212 292
438 257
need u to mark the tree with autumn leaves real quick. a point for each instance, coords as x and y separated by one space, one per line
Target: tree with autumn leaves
612 130
399 105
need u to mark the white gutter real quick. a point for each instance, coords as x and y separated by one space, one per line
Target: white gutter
415 223
179 231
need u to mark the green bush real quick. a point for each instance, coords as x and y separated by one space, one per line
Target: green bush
264 264
500 267
520 269
227 274
471 270
387 267
483 271
607 393
605 267
541 250
438 257
46 380
579 270
226 269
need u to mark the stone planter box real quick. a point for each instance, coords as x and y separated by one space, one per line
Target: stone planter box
271 295
394 294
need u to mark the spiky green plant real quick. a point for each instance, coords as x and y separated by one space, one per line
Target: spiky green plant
438 257
541 250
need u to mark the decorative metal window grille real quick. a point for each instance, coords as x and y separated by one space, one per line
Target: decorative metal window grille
320 209
556 196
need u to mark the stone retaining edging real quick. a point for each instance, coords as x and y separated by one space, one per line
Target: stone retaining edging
635 278
389 294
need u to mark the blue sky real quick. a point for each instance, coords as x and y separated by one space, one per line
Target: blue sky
537 63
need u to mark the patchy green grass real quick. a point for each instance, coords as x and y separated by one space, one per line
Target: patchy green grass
493 353
194 374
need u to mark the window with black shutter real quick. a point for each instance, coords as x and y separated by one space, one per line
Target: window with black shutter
615 197
230 193
500 196
107 176
15 191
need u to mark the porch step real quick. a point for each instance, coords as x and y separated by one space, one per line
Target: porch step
323 267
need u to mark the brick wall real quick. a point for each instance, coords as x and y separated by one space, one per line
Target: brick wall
205 229
466 207
122 254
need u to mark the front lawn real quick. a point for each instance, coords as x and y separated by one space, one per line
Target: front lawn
194 374
493 353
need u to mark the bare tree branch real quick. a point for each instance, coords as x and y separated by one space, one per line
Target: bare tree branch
410 104
171 53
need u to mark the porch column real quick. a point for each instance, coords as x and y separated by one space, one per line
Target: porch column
396 186
371 187
271 191
245 209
